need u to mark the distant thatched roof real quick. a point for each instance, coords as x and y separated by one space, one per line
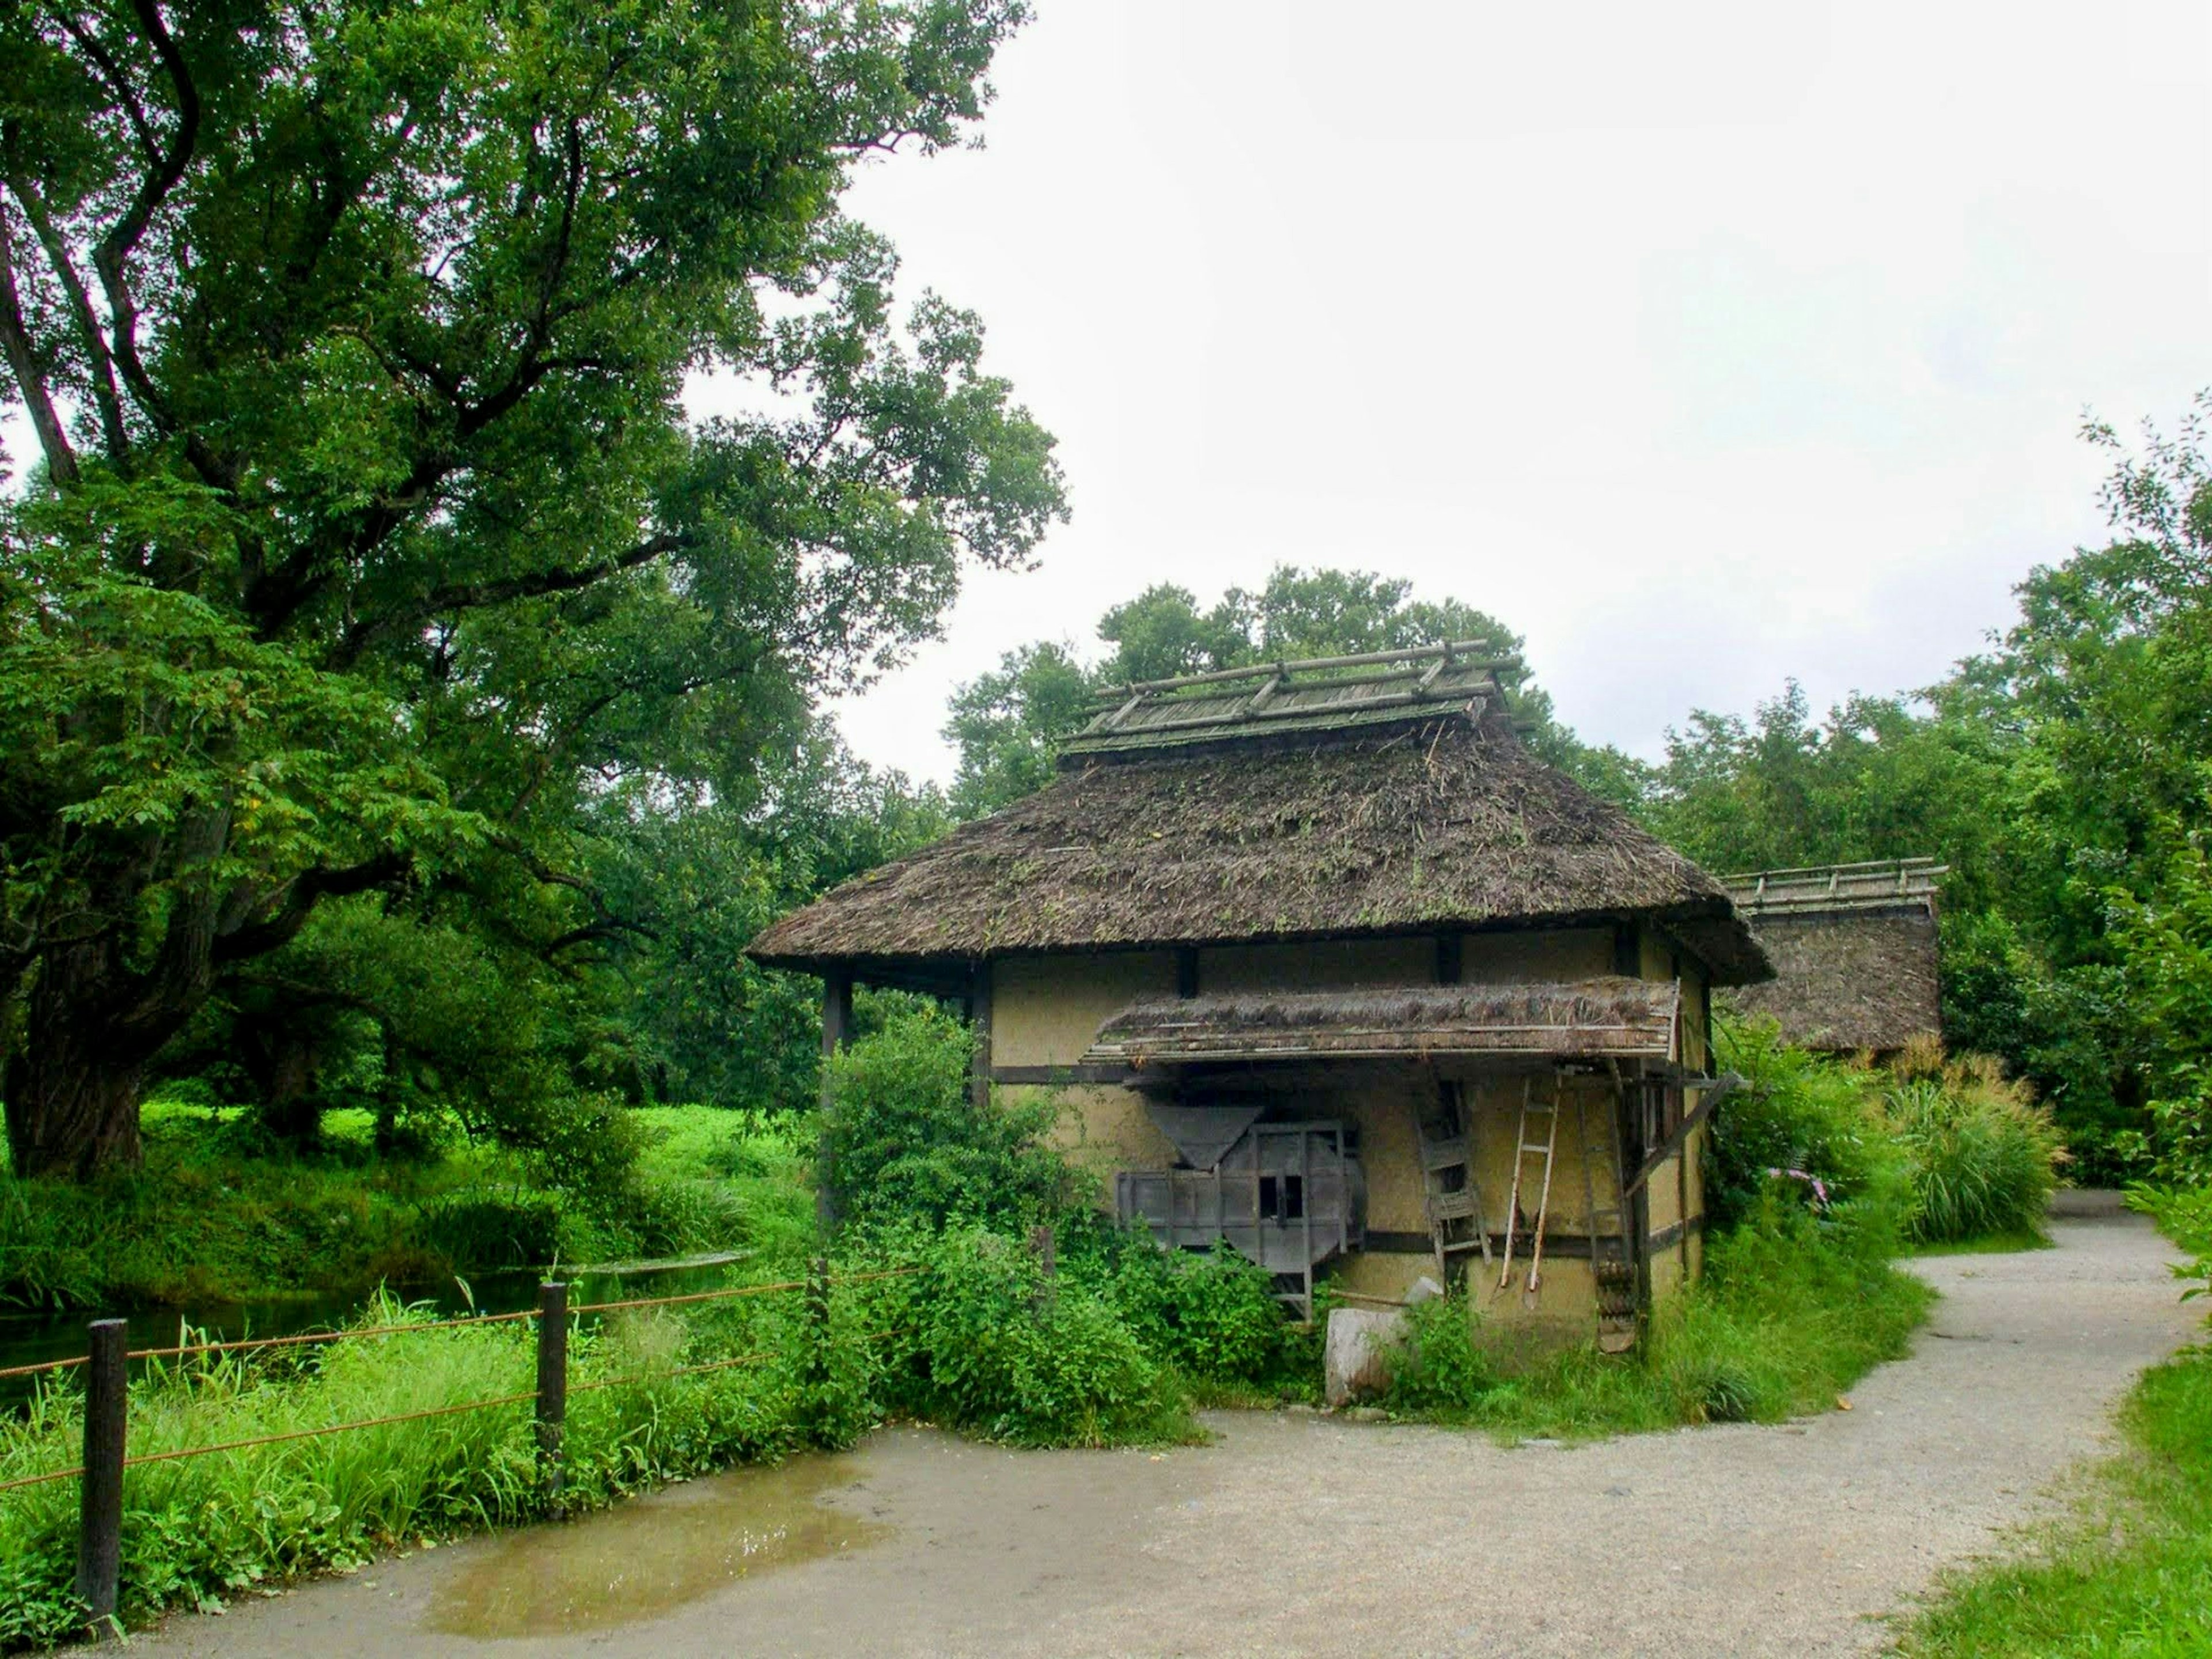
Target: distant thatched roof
1853 948
1440 821
1610 1016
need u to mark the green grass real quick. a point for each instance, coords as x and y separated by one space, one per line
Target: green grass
2128 1574
2004 1244
1788 1316
206 1221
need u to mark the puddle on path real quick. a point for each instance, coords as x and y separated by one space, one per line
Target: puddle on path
642 1559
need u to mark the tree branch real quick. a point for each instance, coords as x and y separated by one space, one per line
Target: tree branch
104 393
300 896
115 248
23 363
473 596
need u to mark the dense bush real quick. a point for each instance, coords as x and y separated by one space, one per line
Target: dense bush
906 1141
985 1341
1800 1123
1983 1158
1212 1317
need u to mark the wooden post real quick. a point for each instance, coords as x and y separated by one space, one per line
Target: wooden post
979 1019
100 1516
836 1032
1186 961
552 1390
1451 952
1046 1246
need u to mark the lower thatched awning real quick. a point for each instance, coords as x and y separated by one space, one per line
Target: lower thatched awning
1616 1018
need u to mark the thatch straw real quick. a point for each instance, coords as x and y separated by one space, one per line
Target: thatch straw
1610 1016
1440 823
1850 979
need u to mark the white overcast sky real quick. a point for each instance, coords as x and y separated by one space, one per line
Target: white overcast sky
1703 344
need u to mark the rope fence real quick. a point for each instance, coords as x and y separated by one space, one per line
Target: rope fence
106 1400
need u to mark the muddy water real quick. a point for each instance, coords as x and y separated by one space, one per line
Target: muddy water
647 1558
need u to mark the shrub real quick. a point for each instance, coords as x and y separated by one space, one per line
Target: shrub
1983 1159
905 1141
988 1343
1442 1371
1212 1316
1803 1125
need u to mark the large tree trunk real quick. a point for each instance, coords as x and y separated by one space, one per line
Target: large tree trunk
90 1027
73 1099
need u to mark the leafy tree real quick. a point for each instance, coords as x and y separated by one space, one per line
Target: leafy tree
371 546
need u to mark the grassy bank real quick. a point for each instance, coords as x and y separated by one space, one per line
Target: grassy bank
214 1218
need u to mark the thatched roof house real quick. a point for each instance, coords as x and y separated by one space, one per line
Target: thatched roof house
1854 947
1315 947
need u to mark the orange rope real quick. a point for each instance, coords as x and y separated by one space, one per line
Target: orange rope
695 1296
244 1345
41 1480
44 1365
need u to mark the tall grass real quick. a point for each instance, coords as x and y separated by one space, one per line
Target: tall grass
214 1217
1983 1156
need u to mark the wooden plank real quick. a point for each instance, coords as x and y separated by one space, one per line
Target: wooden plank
1722 1086
978 1021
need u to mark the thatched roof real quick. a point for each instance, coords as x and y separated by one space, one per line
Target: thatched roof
1610 1016
1853 948
1440 821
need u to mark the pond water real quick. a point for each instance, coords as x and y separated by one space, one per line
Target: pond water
31 1339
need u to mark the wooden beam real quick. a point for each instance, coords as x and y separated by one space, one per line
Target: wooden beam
1186 971
979 1021
836 1032
1668 1148
1450 958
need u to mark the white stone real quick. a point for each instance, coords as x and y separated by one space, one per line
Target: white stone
1356 1356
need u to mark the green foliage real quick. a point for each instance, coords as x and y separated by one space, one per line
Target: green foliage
1212 1316
209 1221
906 1140
1802 1126
1443 1371
1983 1157
374 550
989 1345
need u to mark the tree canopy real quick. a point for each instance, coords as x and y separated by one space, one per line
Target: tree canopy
372 557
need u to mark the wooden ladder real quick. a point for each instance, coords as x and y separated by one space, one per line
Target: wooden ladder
1456 1223
1524 1149
1613 1272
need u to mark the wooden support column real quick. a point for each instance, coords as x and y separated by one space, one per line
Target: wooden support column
1186 972
1450 958
836 1032
978 1021
1627 952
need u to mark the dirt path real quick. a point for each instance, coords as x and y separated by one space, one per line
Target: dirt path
1297 1535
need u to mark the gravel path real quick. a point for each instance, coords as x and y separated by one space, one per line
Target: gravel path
1300 1534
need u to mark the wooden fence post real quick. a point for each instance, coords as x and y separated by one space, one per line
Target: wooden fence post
99 1522
552 1389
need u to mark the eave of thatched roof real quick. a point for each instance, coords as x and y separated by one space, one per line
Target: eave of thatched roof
1863 978
1440 822
1612 1017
